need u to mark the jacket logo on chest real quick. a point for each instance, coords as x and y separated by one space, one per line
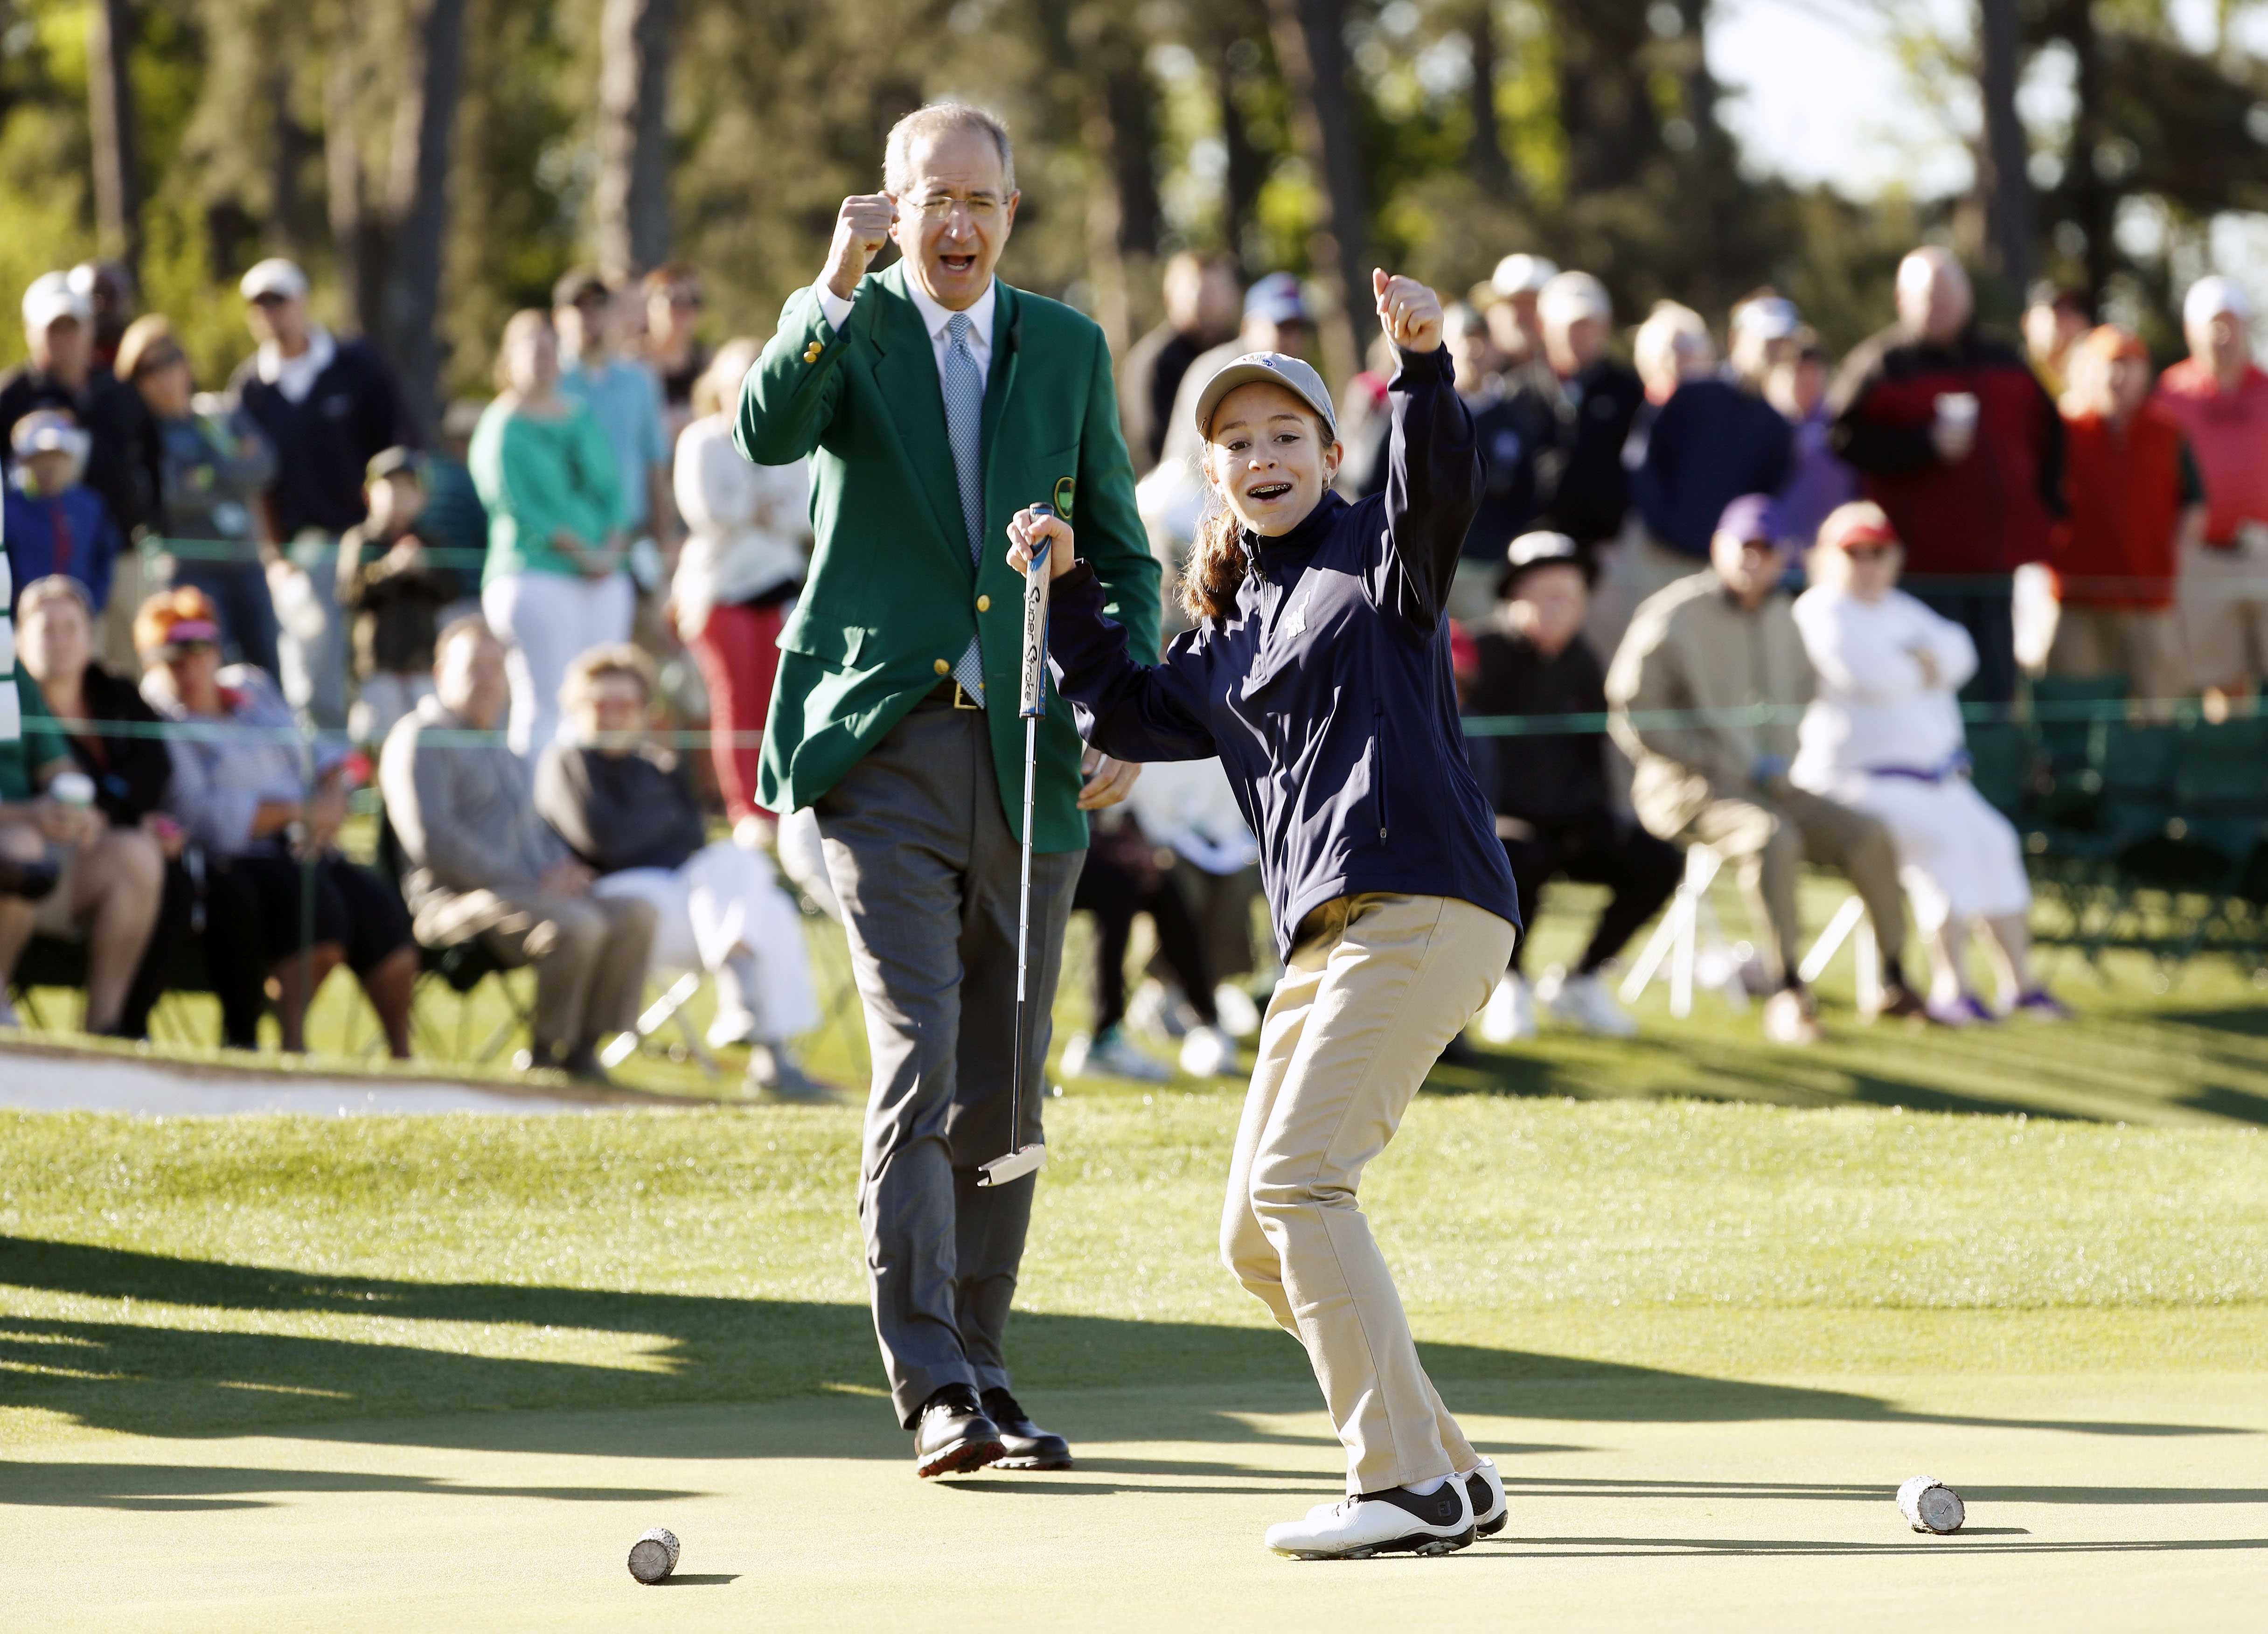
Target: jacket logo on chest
1298 623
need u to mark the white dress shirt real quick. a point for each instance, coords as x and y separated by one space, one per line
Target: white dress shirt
934 318
296 377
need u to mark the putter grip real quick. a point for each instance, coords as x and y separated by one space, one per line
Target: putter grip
1033 700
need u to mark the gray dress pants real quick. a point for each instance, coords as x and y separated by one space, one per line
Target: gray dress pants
920 851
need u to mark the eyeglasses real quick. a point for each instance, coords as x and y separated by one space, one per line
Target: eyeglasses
1867 553
270 298
939 207
156 360
687 297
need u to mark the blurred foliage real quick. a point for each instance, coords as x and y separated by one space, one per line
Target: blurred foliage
1144 126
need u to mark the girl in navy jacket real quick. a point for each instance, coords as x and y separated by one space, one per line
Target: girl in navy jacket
1318 671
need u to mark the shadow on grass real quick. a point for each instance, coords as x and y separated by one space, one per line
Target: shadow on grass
1708 1070
169 1487
181 1379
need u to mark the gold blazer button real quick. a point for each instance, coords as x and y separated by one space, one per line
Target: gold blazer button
942 667
810 352
984 603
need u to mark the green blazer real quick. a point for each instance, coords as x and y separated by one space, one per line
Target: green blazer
892 599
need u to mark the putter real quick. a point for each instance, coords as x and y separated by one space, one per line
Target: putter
1022 1160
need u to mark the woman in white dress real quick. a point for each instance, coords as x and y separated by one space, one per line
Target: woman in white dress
1883 735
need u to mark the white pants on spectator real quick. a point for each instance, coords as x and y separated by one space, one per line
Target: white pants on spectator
546 621
721 903
383 697
1958 859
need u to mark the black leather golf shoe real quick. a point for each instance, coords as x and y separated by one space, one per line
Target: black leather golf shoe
953 1436
1025 1444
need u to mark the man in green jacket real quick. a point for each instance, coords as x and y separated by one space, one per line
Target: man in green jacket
933 402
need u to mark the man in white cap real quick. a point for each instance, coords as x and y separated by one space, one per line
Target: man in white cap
1515 327
326 406
121 459
2221 397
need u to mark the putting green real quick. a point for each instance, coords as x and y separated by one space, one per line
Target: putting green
2112 1503
442 1372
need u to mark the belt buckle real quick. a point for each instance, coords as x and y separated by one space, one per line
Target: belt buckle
961 700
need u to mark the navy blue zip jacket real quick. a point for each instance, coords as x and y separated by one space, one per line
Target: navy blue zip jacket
1327 693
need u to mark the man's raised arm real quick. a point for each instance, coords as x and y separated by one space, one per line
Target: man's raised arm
789 397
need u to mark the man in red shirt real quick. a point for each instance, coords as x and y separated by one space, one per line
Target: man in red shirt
2136 506
2221 401
1951 433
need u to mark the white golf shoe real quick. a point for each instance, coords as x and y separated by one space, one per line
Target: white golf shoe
1583 1001
1208 1052
1392 1523
1510 1013
1484 1490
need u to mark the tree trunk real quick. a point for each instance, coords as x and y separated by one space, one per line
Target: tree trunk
633 183
2091 197
1485 156
1133 139
418 206
1247 167
2004 183
1311 48
110 112
357 235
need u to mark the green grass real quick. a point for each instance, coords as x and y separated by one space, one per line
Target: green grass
195 1276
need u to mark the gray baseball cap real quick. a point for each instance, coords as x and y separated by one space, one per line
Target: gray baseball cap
1274 369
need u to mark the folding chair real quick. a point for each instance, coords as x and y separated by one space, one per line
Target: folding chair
1690 942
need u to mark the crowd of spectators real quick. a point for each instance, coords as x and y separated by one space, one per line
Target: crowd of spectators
580 556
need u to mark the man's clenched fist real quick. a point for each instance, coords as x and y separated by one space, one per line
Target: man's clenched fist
861 228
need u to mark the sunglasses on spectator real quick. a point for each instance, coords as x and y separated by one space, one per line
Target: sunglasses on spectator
1867 553
270 298
686 298
164 358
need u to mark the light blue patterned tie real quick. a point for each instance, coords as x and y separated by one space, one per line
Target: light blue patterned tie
964 423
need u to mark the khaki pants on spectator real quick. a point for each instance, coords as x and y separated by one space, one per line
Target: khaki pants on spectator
1773 836
2223 615
2142 643
590 954
1376 987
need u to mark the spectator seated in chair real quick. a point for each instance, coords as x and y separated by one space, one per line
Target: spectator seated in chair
65 871
1883 736
622 805
1698 658
238 791
1553 810
111 732
481 863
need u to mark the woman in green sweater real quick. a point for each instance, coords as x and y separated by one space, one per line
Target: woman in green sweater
554 586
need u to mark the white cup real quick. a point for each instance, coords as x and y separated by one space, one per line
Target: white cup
73 788
1958 411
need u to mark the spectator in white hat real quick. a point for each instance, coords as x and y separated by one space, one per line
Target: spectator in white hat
2221 397
1598 396
326 406
122 456
1515 326
1763 334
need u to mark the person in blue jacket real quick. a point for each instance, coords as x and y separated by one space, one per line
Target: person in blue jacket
55 523
1318 671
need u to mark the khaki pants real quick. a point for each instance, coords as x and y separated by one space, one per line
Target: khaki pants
2224 615
2142 643
590 954
1771 838
1375 988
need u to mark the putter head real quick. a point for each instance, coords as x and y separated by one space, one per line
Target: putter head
1015 1166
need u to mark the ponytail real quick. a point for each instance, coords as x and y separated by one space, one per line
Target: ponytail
1216 567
